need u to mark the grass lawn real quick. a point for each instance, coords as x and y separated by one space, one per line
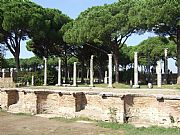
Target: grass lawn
128 129
115 85
131 130
126 86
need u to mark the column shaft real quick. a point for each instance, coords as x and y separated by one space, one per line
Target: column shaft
159 76
110 71
45 71
91 72
59 73
74 75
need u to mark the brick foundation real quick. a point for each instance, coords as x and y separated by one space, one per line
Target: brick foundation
163 110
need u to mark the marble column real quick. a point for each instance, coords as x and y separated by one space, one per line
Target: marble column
87 74
27 84
165 65
3 73
159 76
75 75
32 80
105 77
45 71
59 73
91 72
110 71
11 74
135 70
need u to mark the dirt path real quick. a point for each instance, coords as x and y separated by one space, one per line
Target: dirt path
11 124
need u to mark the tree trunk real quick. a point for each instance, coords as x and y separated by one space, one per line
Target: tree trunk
178 53
116 62
83 70
100 74
66 71
17 62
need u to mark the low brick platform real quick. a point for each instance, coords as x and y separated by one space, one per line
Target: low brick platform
153 107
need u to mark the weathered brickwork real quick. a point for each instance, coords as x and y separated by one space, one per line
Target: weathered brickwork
140 109
7 83
26 103
161 110
4 100
98 107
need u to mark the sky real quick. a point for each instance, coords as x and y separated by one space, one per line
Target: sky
73 8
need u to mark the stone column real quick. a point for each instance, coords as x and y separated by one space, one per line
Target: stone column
27 84
165 65
87 74
3 76
45 71
59 73
74 75
3 73
135 70
32 80
158 71
110 71
91 72
11 74
105 78
68 74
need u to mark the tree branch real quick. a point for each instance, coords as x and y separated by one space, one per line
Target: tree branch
10 49
97 48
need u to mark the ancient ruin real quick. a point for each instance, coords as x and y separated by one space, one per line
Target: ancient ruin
128 107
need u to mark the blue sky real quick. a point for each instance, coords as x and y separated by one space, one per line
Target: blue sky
73 8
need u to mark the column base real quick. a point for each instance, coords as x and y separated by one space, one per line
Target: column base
91 86
110 86
58 85
74 85
136 86
44 84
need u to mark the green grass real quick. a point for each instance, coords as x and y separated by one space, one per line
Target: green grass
102 85
131 130
1 110
115 85
62 119
22 114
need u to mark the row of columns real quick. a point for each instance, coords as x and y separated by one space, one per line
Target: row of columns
11 74
158 71
75 72
159 76
109 71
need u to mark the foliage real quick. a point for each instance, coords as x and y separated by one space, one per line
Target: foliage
108 25
34 63
125 56
52 62
127 75
161 17
17 17
171 119
72 60
113 114
25 76
154 47
47 38
9 63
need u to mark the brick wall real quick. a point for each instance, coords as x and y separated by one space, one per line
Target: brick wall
130 108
